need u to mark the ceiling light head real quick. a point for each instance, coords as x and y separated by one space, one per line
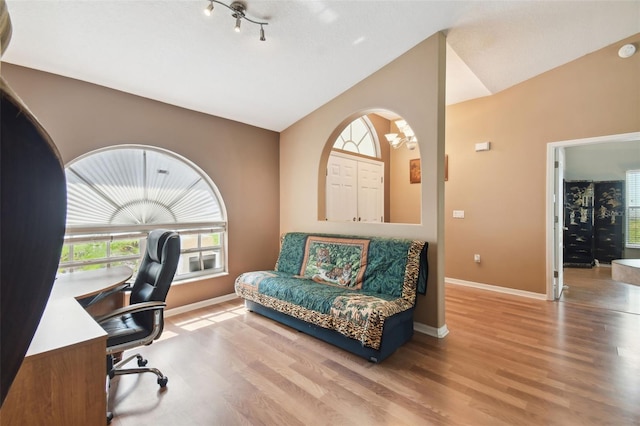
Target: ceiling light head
237 27
262 37
209 9
391 137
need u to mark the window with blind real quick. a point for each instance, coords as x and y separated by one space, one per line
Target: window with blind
115 196
633 208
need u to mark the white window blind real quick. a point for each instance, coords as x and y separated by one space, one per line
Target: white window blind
137 186
115 196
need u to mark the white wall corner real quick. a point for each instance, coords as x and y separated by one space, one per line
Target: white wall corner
431 331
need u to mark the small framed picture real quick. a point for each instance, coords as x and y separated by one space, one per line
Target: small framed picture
415 175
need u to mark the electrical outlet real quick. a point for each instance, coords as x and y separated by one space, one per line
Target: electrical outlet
476 258
458 214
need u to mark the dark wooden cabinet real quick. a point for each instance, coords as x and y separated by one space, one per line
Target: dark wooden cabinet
594 222
608 221
578 223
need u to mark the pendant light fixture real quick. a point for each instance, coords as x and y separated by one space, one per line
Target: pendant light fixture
238 10
405 137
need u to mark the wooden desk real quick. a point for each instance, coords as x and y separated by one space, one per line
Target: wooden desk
62 379
89 283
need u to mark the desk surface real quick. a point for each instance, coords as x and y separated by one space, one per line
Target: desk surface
64 322
88 283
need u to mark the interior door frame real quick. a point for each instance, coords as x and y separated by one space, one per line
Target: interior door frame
554 256
559 226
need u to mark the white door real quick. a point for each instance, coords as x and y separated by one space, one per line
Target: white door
558 229
355 189
370 191
342 188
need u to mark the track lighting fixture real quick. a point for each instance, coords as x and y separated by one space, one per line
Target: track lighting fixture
238 10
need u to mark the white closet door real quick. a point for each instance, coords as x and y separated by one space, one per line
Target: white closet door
342 187
370 192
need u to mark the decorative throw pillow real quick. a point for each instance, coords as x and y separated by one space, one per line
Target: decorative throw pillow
335 261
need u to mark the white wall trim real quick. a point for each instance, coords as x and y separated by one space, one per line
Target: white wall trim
497 289
198 305
431 331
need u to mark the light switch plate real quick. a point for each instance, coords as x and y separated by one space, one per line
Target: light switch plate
483 146
458 214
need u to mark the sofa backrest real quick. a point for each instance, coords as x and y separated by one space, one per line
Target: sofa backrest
395 267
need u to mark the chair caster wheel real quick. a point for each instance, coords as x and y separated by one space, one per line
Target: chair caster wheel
142 362
163 381
109 417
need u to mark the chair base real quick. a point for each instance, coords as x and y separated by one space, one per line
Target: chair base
117 370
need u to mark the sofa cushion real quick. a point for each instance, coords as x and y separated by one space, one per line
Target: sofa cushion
304 292
335 261
359 315
389 261
291 252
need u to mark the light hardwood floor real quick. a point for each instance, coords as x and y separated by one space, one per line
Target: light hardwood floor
594 287
506 361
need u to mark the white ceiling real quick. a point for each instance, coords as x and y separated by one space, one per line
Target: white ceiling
315 49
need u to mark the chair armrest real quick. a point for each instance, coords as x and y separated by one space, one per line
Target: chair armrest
136 307
124 287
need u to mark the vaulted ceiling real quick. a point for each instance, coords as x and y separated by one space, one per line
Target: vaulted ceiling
314 49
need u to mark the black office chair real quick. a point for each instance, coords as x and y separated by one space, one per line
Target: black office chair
141 322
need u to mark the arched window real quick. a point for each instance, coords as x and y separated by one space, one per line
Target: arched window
358 137
116 195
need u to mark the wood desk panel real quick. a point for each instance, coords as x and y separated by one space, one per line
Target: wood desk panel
62 380
73 382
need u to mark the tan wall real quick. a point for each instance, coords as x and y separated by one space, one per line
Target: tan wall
402 199
242 160
405 196
382 126
413 87
502 191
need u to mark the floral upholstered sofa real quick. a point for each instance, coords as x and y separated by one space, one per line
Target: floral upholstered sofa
355 292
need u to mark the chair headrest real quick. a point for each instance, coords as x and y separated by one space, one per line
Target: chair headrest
155 243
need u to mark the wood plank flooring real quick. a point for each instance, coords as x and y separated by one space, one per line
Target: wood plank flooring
506 361
594 287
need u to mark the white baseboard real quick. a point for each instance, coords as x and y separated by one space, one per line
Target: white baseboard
497 289
198 305
431 331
